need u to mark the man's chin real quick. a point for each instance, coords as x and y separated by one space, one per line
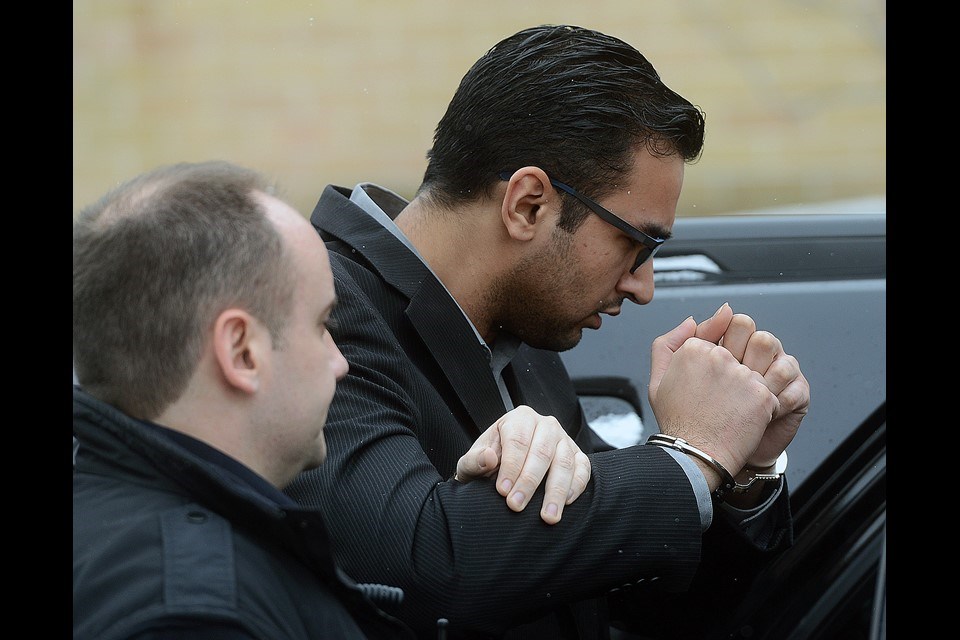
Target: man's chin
560 343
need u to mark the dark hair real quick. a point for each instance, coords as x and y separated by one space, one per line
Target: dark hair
575 102
154 262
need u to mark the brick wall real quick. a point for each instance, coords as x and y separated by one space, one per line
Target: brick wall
320 92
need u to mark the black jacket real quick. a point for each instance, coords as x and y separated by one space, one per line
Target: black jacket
418 393
163 539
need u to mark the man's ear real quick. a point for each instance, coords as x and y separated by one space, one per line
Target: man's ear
528 197
240 344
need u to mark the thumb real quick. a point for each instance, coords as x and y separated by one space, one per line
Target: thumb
482 458
476 463
713 328
665 346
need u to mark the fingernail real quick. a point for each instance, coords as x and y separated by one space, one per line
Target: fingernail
505 485
552 509
569 495
517 498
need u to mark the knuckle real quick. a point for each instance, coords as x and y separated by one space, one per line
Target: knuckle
527 479
582 476
697 346
583 468
765 340
791 361
784 369
743 322
527 411
583 460
518 438
544 452
794 397
565 462
720 357
779 373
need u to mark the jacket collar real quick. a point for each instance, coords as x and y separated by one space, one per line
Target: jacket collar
431 310
131 447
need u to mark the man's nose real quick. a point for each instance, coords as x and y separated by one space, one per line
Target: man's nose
637 286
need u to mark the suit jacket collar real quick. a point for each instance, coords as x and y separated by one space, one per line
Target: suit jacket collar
434 314
336 217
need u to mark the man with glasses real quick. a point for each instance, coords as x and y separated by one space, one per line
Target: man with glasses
553 178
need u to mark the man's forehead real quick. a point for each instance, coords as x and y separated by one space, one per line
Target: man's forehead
646 201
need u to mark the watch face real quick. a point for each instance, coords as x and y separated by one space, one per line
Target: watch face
780 467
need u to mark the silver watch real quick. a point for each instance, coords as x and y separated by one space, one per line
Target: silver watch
747 477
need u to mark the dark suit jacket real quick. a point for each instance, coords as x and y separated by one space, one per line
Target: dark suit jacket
418 393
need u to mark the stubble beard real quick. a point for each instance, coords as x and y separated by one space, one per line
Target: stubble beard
532 301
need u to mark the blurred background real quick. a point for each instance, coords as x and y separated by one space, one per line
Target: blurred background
318 92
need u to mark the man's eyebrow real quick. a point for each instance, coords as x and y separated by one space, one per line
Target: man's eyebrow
655 230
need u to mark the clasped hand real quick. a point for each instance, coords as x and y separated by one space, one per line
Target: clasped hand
728 388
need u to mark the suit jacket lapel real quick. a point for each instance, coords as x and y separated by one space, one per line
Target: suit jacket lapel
451 341
434 314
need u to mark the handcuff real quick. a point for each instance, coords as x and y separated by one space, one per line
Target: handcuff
727 482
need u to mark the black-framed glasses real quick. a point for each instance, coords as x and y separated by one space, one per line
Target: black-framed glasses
649 245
